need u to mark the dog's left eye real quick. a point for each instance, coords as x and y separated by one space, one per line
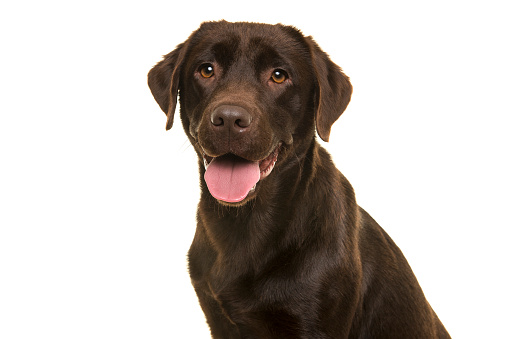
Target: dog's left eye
279 76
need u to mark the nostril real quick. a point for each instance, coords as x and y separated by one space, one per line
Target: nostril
216 120
244 122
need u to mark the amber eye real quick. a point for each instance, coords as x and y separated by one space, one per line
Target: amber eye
279 76
207 71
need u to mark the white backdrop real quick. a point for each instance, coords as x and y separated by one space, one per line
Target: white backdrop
98 201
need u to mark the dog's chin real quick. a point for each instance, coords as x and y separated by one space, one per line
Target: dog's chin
245 182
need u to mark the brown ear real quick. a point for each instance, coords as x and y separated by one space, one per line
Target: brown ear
333 93
163 80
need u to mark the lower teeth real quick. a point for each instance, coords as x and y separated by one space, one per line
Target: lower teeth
253 188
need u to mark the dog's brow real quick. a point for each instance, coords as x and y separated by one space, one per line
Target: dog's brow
267 57
224 52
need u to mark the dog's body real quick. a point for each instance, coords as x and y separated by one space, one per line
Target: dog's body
281 250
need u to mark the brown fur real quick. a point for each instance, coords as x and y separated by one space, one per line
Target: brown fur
298 258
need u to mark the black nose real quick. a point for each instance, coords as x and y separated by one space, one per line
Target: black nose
233 118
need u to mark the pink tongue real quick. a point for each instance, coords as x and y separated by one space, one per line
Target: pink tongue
231 178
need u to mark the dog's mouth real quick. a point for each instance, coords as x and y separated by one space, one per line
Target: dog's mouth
231 178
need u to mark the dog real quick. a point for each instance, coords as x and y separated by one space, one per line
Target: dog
281 249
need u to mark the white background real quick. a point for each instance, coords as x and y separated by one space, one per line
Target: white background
98 201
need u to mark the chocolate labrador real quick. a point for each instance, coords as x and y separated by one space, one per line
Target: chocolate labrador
281 250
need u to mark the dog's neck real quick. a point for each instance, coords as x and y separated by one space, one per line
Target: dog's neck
234 229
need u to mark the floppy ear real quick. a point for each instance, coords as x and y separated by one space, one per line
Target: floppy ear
163 80
333 91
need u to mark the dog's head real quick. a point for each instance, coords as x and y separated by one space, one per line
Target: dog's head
250 94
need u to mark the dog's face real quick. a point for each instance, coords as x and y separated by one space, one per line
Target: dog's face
250 98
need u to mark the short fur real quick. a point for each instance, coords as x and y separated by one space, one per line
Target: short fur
298 258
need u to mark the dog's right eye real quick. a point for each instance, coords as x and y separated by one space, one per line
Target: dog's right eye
207 71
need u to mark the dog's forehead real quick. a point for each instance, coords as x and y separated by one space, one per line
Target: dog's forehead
265 45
